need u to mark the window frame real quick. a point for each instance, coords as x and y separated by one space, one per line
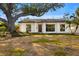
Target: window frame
50 30
64 28
28 28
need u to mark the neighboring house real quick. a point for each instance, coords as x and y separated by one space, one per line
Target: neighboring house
45 26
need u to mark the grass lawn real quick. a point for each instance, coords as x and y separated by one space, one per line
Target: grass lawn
41 45
59 44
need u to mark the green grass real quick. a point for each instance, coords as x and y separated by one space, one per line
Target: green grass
56 42
43 40
74 36
40 40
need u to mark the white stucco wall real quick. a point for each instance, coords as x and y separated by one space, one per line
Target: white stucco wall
22 27
34 27
44 27
57 28
77 30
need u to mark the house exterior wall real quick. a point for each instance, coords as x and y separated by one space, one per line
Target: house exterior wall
22 27
44 27
77 30
57 28
34 27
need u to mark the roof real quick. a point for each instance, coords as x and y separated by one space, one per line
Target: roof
41 20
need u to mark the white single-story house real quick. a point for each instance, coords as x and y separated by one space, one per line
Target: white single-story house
45 26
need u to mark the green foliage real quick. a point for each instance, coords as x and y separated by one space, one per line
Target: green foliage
17 28
2 29
68 21
73 19
77 11
35 9
39 9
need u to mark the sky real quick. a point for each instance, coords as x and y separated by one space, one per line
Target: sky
59 13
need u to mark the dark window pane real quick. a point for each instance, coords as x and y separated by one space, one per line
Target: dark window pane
62 27
50 27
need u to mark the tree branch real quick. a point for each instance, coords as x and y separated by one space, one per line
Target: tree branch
10 7
3 20
19 15
3 9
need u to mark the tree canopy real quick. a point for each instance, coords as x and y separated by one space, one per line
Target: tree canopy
73 19
34 9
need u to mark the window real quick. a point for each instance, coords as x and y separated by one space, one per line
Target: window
28 27
62 27
50 27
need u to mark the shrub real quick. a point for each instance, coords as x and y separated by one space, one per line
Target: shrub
17 28
2 29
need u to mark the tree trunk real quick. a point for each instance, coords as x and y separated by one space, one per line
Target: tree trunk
11 28
76 28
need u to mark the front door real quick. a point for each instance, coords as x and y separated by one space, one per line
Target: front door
39 28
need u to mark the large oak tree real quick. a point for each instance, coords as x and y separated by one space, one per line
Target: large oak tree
14 11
